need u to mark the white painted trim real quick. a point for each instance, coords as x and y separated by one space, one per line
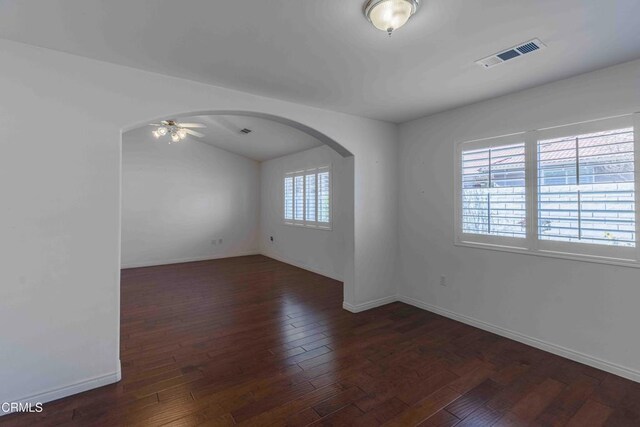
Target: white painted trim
567 353
301 265
103 380
183 260
364 306
239 254
68 390
621 262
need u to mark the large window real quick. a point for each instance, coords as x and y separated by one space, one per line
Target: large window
566 191
307 198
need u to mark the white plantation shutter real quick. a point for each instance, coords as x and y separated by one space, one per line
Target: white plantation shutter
288 198
494 191
586 188
563 192
298 198
310 197
307 198
324 197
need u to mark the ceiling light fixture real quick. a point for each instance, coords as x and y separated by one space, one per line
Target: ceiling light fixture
177 131
389 15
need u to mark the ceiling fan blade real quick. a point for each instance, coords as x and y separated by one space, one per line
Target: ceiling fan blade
155 124
164 122
194 133
190 125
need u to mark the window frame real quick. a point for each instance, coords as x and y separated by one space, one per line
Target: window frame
315 225
484 239
531 244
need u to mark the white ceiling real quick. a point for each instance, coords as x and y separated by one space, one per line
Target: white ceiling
324 53
268 139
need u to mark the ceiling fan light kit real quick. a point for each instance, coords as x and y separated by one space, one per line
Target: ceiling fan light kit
389 15
177 131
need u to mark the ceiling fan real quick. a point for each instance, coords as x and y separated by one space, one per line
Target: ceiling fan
176 130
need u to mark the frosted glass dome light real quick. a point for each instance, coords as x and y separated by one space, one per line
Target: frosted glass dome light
389 15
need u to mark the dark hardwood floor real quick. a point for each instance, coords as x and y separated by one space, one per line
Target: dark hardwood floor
252 341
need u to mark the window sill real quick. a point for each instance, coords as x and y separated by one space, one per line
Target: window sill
308 226
551 254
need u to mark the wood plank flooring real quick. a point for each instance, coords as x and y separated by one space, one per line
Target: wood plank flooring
255 342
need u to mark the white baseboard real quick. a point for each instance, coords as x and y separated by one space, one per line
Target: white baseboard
300 265
91 383
567 353
68 390
183 260
233 255
357 308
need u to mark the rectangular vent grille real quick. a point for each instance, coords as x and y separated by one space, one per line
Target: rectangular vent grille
514 52
246 131
528 47
505 56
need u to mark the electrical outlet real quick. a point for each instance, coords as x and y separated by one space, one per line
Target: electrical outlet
443 281
219 241
271 238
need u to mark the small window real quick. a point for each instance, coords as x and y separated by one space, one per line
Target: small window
307 198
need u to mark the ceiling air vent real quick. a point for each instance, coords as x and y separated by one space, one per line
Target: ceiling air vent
246 131
514 52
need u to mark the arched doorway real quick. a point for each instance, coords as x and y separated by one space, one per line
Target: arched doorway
347 232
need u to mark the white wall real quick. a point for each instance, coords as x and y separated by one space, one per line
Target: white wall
177 199
584 307
322 251
60 213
